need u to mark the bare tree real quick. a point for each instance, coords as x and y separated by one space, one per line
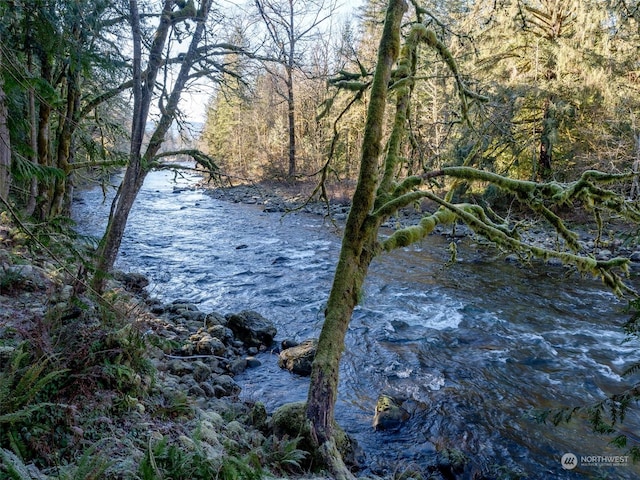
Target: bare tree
290 27
144 83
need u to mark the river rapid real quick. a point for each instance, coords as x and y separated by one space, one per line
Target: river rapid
473 348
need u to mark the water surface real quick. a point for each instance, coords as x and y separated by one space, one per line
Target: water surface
473 347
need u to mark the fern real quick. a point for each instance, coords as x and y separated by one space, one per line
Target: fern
234 468
20 385
91 466
284 454
163 460
22 170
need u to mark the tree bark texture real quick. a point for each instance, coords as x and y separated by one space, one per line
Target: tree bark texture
547 139
358 249
290 96
44 138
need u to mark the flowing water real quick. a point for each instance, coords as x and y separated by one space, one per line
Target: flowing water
473 348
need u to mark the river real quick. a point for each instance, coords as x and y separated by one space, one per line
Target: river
474 348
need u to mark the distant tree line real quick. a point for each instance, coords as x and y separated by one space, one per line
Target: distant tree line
562 79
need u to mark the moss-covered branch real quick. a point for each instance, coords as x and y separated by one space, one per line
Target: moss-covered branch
205 161
409 235
474 217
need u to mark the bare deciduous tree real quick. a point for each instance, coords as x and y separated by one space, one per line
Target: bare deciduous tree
141 157
290 26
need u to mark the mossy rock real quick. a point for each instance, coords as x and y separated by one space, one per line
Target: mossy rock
290 420
299 359
389 414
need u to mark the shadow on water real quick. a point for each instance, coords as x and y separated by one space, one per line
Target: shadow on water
473 348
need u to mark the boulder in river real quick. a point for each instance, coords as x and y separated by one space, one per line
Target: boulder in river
298 359
389 414
133 282
252 328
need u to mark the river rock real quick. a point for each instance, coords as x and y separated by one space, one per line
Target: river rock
253 362
133 282
205 344
215 319
252 328
298 359
201 371
223 333
225 386
389 414
288 343
180 367
238 365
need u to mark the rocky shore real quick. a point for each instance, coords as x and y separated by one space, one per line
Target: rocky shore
283 198
136 377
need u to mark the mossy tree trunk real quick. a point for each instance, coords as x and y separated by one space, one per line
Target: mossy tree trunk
381 193
5 143
358 249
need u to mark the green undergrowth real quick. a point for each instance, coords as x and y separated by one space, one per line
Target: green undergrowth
79 399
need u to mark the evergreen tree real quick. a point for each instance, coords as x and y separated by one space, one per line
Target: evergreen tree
559 74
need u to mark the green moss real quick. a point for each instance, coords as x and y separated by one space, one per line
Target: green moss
412 234
290 421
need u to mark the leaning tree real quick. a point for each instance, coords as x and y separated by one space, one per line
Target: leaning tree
178 20
382 191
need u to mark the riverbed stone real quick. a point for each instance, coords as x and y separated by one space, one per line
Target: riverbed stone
133 282
208 389
253 362
205 344
238 365
215 318
299 359
389 414
196 391
288 343
225 386
252 328
201 371
223 333
180 367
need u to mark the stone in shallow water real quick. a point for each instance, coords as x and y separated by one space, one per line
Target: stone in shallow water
252 328
298 359
389 415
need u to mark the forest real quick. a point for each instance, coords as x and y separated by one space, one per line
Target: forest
504 117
